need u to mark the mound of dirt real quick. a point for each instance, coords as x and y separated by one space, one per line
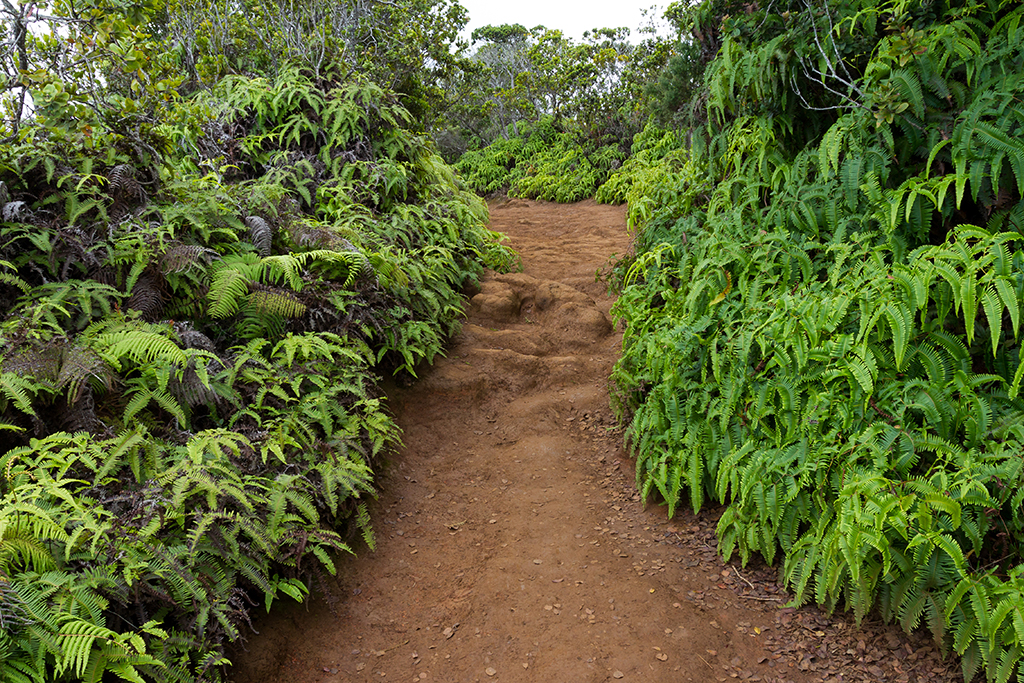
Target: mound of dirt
511 542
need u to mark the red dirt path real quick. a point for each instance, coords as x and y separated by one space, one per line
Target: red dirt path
511 542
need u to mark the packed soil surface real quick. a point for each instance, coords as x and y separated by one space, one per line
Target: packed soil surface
511 542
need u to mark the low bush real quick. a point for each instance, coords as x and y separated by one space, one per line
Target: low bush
544 161
192 325
823 312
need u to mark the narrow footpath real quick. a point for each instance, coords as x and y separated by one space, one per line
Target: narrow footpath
511 543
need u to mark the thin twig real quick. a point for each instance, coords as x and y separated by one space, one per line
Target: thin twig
743 577
395 647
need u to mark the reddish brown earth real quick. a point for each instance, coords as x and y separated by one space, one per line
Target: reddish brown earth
512 544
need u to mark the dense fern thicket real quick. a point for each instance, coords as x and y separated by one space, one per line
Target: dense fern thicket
196 299
823 313
650 149
544 161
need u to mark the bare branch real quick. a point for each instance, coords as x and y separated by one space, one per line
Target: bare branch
831 58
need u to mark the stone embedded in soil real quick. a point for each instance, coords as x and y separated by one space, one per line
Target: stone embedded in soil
496 301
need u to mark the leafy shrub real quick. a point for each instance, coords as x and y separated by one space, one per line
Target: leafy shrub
650 147
543 162
187 362
824 309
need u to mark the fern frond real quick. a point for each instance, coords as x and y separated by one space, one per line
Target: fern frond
18 391
80 363
140 346
230 284
12 278
260 234
274 301
182 257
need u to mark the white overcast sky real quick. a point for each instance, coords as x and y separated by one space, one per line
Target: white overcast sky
572 17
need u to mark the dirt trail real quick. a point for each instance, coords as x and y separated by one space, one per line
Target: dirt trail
511 543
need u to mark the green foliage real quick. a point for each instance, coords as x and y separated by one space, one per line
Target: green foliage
408 47
644 167
823 310
543 162
542 115
199 293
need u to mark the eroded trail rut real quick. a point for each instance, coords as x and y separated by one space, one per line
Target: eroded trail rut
511 543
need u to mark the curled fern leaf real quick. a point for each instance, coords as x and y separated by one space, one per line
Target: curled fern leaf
121 177
146 296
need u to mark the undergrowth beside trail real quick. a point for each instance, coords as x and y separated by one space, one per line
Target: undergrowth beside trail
188 354
546 160
823 312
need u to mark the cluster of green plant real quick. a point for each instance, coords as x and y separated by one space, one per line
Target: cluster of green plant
647 162
196 295
546 160
823 312
409 46
546 117
516 75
